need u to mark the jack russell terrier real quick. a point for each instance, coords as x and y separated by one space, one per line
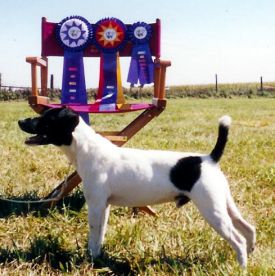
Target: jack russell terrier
134 177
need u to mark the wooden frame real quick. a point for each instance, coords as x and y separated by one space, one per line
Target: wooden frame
39 98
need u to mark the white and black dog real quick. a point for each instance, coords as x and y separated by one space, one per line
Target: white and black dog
133 177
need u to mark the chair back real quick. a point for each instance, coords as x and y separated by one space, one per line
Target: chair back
139 40
51 47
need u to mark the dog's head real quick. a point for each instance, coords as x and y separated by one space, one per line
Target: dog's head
55 126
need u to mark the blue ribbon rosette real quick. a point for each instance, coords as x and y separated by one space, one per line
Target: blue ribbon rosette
141 65
74 34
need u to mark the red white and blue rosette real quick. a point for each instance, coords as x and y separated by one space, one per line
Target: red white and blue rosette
109 38
109 34
141 65
74 34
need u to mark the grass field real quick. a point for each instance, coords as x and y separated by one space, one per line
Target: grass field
179 241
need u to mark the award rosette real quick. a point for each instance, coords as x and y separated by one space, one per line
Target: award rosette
74 35
109 38
141 65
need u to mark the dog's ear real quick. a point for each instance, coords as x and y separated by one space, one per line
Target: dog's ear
67 112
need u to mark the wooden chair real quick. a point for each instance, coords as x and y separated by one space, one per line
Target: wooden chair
39 100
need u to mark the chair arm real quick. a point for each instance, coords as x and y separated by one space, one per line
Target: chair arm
159 78
42 62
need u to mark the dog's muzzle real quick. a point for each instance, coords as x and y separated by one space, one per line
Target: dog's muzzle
30 126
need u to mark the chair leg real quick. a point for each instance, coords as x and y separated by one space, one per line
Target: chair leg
62 190
146 209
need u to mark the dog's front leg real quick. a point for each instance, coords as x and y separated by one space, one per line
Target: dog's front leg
98 218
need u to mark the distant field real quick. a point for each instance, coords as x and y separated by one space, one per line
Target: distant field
179 241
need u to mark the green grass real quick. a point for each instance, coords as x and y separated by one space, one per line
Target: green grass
178 242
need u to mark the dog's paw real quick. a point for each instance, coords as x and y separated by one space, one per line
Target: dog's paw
94 250
251 243
242 260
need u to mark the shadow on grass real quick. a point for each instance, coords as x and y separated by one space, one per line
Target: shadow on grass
22 205
114 265
42 249
49 250
140 266
171 264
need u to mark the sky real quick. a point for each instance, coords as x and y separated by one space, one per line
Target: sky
234 39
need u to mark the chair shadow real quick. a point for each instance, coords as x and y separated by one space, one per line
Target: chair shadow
22 205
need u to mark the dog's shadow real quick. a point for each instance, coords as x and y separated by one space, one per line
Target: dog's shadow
50 250
126 266
29 203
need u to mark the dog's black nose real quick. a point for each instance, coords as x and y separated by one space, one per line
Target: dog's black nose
28 125
21 123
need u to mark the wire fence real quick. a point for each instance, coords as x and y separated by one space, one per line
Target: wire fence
13 93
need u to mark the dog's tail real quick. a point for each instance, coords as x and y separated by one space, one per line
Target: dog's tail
224 124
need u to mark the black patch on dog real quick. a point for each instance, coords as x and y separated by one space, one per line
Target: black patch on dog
186 172
55 127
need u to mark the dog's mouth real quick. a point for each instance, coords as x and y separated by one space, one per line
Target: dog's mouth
30 126
37 140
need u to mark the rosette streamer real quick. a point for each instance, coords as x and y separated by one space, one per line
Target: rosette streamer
109 38
74 34
141 66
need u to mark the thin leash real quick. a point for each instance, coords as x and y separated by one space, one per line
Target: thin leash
52 199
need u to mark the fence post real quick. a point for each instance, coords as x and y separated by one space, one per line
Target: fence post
51 82
216 82
261 83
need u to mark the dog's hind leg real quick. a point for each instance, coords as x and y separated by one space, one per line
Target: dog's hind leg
219 219
214 211
246 229
98 218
